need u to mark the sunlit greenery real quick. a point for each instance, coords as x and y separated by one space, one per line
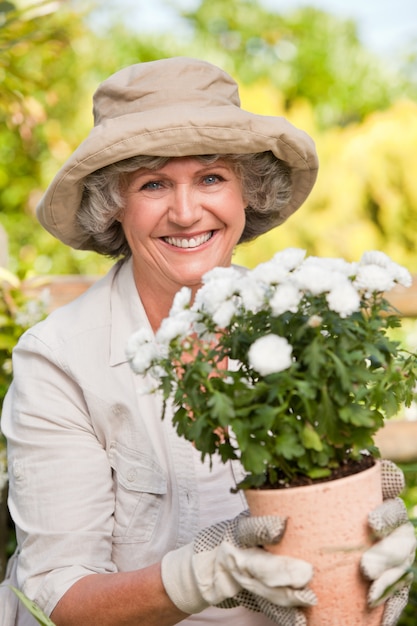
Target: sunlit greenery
305 54
305 64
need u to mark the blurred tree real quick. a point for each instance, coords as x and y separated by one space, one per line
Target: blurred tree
366 193
306 53
306 65
40 60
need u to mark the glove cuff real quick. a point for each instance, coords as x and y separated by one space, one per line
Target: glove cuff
179 580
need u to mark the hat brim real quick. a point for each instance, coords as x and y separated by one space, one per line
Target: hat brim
179 131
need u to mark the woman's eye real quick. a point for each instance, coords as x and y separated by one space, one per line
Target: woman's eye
152 184
211 179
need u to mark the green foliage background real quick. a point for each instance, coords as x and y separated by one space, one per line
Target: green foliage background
307 65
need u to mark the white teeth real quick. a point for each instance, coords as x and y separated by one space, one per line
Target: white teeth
194 242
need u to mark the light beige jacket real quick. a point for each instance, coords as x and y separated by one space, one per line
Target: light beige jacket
98 482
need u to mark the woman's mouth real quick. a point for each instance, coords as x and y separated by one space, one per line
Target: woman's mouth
189 242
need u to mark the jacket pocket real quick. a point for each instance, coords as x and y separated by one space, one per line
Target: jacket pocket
139 485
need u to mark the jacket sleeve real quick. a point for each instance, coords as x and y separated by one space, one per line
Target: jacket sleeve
61 492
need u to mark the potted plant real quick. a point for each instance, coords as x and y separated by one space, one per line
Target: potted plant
289 368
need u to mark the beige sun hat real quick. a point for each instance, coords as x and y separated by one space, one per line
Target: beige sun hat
171 107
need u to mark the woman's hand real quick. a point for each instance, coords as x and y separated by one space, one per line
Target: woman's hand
226 567
387 563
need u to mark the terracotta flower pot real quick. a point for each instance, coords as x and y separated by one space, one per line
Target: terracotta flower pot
327 526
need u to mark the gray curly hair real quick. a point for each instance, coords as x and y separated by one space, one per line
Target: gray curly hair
266 186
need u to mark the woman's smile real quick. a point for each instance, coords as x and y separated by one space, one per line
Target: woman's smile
194 241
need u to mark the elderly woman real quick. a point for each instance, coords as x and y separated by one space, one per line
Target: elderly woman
118 521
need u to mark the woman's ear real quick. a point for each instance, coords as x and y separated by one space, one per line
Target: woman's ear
120 214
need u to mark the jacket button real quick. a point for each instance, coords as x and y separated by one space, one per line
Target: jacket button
17 470
131 475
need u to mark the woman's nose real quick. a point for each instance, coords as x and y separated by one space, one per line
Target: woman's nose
185 208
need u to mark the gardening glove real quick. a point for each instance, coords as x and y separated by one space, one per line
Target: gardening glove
226 567
387 563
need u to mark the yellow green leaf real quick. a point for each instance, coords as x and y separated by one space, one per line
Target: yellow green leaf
33 609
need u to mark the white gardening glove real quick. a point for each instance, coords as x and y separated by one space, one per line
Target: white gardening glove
387 562
226 567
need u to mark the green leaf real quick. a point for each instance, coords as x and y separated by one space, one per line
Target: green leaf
319 472
342 372
310 439
221 406
288 445
357 415
314 357
255 458
33 609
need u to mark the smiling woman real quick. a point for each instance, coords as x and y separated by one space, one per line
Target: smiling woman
167 208
131 527
180 221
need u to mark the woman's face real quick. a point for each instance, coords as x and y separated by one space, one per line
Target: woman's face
182 220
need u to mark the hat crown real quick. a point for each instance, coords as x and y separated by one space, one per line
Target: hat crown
165 83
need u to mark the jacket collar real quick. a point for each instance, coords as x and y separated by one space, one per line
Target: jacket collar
126 311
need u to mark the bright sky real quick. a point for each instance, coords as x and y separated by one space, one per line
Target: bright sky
385 26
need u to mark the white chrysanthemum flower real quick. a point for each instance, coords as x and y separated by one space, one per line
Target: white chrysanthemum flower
143 358
252 293
373 278
222 317
290 258
403 277
219 285
340 266
176 327
269 273
139 338
221 273
181 301
398 273
141 350
270 354
209 297
314 279
375 257
285 298
344 299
